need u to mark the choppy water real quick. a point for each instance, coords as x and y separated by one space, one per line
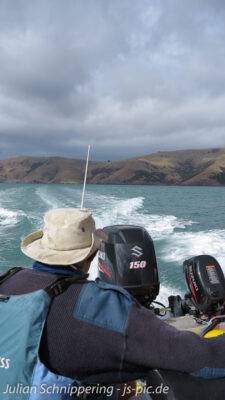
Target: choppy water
182 221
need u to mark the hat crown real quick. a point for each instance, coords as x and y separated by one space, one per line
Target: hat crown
69 236
68 229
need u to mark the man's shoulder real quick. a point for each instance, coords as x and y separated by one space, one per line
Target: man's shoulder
112 289
25 281
107 306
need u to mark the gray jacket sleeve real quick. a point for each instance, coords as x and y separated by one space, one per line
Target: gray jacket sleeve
152 343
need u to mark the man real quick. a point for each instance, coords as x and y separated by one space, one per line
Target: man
95 332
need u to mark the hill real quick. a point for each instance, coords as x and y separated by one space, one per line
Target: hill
182 167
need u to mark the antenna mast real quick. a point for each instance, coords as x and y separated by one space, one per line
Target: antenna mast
85 178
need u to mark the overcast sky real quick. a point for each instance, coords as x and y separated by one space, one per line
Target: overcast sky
128 76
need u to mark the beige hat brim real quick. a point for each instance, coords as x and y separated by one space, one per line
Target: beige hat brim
32 246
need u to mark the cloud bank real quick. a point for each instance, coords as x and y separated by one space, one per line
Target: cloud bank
130 77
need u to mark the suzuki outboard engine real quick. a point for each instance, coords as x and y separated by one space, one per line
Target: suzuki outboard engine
128 259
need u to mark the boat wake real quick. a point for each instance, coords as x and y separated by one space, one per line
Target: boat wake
8 218
131 212
22 207
183 245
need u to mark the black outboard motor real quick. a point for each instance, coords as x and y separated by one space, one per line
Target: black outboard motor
128 259
206 283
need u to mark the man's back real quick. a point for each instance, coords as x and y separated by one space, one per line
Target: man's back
65 346
96 333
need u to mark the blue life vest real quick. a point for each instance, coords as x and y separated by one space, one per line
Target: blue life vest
22 318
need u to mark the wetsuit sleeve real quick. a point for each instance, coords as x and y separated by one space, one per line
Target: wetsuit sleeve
151 342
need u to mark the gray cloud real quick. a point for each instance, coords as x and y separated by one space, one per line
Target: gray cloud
129 77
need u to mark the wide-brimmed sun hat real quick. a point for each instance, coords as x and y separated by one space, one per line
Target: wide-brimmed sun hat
69 236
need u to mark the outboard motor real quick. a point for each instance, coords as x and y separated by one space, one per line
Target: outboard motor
128 259
206 283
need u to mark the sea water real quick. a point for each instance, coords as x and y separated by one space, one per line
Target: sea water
183 221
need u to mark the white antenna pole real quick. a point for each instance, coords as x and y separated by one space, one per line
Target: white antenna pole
85 178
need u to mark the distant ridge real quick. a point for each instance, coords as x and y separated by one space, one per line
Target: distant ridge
181 167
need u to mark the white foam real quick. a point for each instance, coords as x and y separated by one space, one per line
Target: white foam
70 197
130 212
109 210
93 272
183 245
8 217
49 199
165 292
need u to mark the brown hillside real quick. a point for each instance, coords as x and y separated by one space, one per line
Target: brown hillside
185 167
